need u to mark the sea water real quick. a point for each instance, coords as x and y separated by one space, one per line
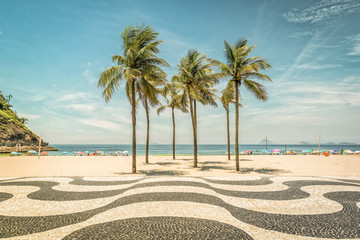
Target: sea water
187 149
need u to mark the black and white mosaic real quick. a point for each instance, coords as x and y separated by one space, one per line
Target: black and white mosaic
180 208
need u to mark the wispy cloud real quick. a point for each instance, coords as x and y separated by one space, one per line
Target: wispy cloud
29 116
1 33
355 42
310 66
322 11
37 98
302 34
81 107
89 75
95 122
73 96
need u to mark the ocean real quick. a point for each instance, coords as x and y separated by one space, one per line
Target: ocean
187 149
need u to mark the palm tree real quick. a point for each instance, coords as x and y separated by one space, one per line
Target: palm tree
226 98
196 79
148 89
138 59
176 101
241 70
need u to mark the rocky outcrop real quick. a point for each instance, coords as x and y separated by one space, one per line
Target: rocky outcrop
14 133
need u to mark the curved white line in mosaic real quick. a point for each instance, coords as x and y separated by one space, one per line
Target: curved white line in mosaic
316 203
153 209
107 179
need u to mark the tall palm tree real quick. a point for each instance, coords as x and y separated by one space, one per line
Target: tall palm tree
176 101
241 70
226 98
196 78
138 59
148 89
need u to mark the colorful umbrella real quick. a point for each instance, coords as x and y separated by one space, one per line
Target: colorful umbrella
81 153
276 150
44 153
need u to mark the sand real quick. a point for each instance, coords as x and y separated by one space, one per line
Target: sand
299 165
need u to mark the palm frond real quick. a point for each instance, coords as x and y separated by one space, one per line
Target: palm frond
161 109
257 89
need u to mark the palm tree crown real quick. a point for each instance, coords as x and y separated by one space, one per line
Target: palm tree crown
196 77
242 69
137 63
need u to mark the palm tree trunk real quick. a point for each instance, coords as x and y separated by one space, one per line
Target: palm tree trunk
237 126
133 116
193 125
228 130
147 132
173 120
195 121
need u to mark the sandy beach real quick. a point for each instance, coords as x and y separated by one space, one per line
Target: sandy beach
284 165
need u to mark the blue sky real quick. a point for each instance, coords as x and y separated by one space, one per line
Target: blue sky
52 53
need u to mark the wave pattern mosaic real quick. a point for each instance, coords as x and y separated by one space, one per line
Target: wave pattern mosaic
180 208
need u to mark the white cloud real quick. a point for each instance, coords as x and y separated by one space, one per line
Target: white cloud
29 116
302 34
81 107
355 42
321 11
100 123
37 98
73 96
310 66
89 75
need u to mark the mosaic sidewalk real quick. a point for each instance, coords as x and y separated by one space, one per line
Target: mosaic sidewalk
180 208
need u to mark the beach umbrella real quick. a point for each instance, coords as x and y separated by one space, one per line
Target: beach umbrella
276 150
44 153
306 151
81 153
348 151
118 152
86 152
32 151
74 152
65 153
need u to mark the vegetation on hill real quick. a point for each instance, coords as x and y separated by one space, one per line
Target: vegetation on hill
12 127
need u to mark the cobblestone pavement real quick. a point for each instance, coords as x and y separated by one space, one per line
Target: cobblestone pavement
180 208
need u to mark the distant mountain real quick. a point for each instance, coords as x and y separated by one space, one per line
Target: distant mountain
347 143
329 143
304 143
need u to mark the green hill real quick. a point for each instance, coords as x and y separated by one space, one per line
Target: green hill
12 128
